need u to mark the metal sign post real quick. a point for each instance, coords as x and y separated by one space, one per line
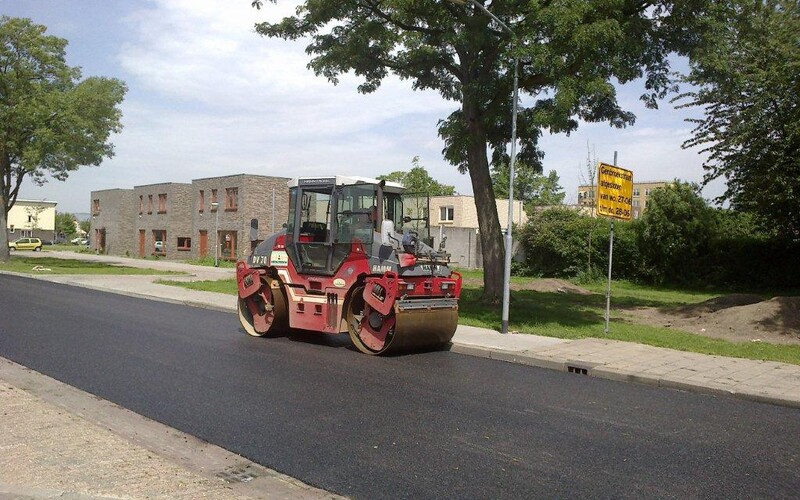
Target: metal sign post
614 192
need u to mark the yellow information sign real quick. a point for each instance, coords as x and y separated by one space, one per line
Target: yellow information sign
614 191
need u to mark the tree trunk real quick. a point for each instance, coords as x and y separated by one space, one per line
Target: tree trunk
4 253
486 205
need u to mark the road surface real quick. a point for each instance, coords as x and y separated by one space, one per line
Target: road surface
430 425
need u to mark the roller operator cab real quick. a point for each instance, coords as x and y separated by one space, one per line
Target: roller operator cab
355 256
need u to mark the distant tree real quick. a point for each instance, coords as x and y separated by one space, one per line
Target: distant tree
534 189
572 54
51 122
748 83
34 213
417 180
85 226
588 173
65 224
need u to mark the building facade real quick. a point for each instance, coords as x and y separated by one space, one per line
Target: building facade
460 211
189 220
31 219
163 221
227 207
587 196
111 224
456 217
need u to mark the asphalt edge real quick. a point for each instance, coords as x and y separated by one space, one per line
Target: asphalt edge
599 371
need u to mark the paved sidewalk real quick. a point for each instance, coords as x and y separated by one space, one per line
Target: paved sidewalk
58 442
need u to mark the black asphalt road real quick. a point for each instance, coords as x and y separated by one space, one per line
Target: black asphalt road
431 425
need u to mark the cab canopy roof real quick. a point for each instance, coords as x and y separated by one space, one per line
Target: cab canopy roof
343 180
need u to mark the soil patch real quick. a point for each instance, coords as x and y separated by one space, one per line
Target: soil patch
737 318
553 285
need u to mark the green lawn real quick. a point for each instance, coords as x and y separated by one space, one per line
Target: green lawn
573 316
67 247
220 286
22 264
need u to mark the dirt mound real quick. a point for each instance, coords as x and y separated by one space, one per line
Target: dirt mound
554 285
722 302
776 320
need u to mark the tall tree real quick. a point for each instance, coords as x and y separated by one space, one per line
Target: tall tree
571 53
51 121
749 89
418 181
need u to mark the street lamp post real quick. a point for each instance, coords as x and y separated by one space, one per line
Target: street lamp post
507 268
215 207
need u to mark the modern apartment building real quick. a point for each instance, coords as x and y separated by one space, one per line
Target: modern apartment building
31 219
163 220
189 220
111 224
227 206
587 196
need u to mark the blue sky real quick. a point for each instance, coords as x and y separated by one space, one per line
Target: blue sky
207 96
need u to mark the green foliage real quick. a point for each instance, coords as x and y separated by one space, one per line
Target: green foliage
85 226
679 240
51 122
65 224
556 243
571 53
418 181
748 88
675 233
534 189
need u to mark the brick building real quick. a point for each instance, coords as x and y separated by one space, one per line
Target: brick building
112 229
180 220
163 220
240 199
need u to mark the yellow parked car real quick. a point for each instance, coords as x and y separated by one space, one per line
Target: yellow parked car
34 244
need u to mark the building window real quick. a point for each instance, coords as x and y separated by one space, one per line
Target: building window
184 244
635 203
647 192
95 207
213 199
149 203
141 204
162 203
159 242
201 201
636 191
446 214
231 199
12 229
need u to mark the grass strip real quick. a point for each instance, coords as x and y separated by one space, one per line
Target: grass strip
227 286
49 265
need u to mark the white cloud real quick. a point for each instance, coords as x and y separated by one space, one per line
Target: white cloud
208 96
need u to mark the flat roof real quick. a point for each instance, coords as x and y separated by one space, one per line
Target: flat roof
344 180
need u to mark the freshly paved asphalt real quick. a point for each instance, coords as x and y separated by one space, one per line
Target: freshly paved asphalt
428 425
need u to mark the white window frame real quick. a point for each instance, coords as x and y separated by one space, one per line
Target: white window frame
447 210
